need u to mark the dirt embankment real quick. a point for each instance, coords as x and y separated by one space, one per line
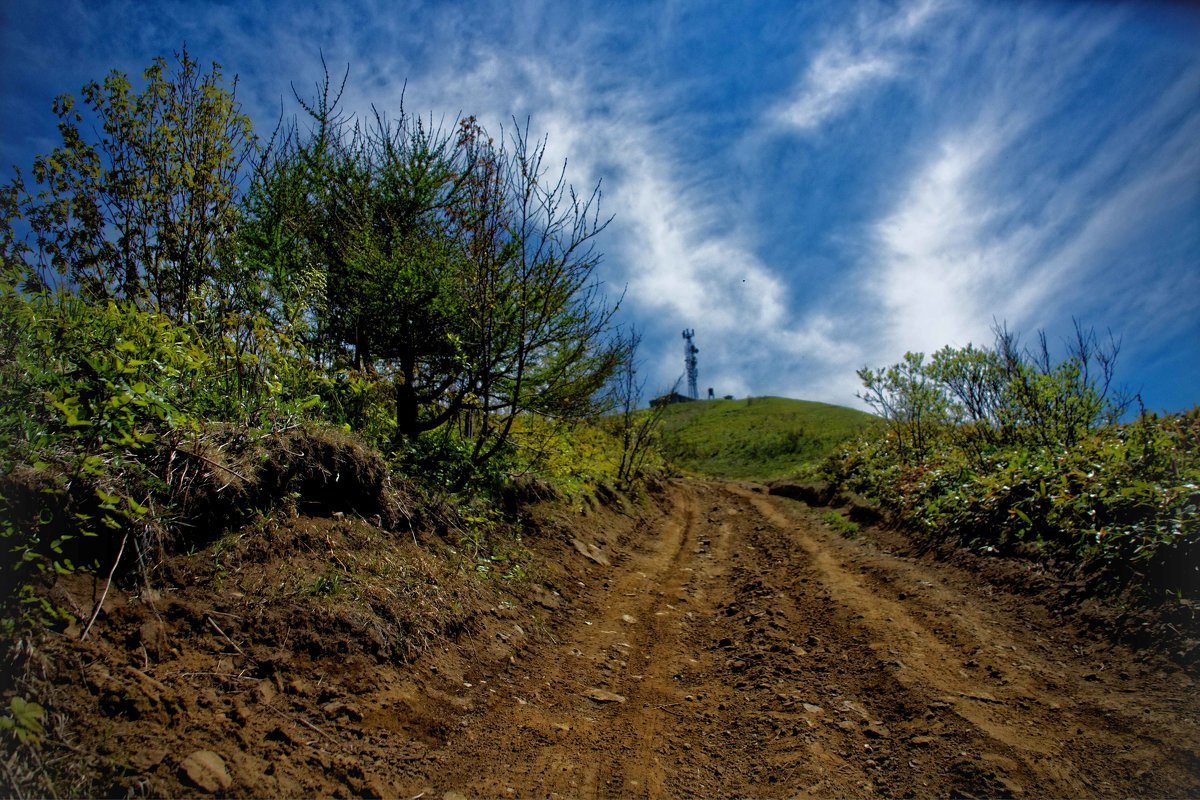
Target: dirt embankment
726 643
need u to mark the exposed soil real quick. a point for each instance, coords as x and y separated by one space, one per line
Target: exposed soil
727 643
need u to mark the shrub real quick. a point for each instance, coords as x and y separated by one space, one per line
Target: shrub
1124 502
100 407
1005 450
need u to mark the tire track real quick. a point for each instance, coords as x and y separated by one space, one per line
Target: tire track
1038 723
760 654
543 731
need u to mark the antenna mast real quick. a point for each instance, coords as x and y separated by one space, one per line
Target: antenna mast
689 359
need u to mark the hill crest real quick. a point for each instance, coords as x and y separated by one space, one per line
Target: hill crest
756 438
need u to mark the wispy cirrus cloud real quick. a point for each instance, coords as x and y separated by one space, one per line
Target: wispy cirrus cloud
1018 196
992 224
1026 161
851 62
835 77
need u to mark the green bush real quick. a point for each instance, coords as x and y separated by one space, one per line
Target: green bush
432 290
100 403
1124 502
1007 451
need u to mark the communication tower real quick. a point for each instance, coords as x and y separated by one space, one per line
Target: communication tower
689 360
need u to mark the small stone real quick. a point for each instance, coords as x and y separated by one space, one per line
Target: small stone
207 770
153 636
264 691
603 696
592 552
148 758
877 731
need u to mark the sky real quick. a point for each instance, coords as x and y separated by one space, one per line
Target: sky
812 187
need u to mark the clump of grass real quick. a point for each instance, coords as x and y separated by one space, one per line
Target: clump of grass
840 523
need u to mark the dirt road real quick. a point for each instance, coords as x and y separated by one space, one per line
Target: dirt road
742 648
727 643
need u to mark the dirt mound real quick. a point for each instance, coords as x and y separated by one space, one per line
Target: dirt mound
219 479
298 655
858 508
223 478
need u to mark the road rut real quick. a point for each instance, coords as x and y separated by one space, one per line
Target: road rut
740 647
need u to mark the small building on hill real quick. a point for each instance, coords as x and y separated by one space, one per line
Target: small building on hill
670 399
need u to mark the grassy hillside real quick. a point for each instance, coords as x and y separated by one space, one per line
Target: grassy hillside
759 438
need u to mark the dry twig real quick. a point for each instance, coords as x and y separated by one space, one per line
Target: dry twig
107 585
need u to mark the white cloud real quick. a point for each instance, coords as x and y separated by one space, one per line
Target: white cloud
939 266
681 267
990 225
851 62
833 80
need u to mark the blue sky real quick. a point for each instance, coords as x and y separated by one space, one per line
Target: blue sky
812 186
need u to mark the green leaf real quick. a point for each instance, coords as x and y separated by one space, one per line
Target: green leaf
27 715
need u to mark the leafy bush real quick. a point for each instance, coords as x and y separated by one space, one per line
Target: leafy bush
1005 450
432 290
840 523
1124 502
442 460
99 404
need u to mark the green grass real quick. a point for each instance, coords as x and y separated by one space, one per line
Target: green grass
759 438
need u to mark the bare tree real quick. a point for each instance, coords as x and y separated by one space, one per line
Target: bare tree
637 429
537 338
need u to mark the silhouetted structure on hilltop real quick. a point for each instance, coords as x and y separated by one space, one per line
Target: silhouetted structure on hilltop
689 360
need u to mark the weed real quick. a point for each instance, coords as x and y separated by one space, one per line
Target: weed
329 584
841 523
24 720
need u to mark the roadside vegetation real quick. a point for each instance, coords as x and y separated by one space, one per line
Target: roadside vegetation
312 374
1006 450
181 297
